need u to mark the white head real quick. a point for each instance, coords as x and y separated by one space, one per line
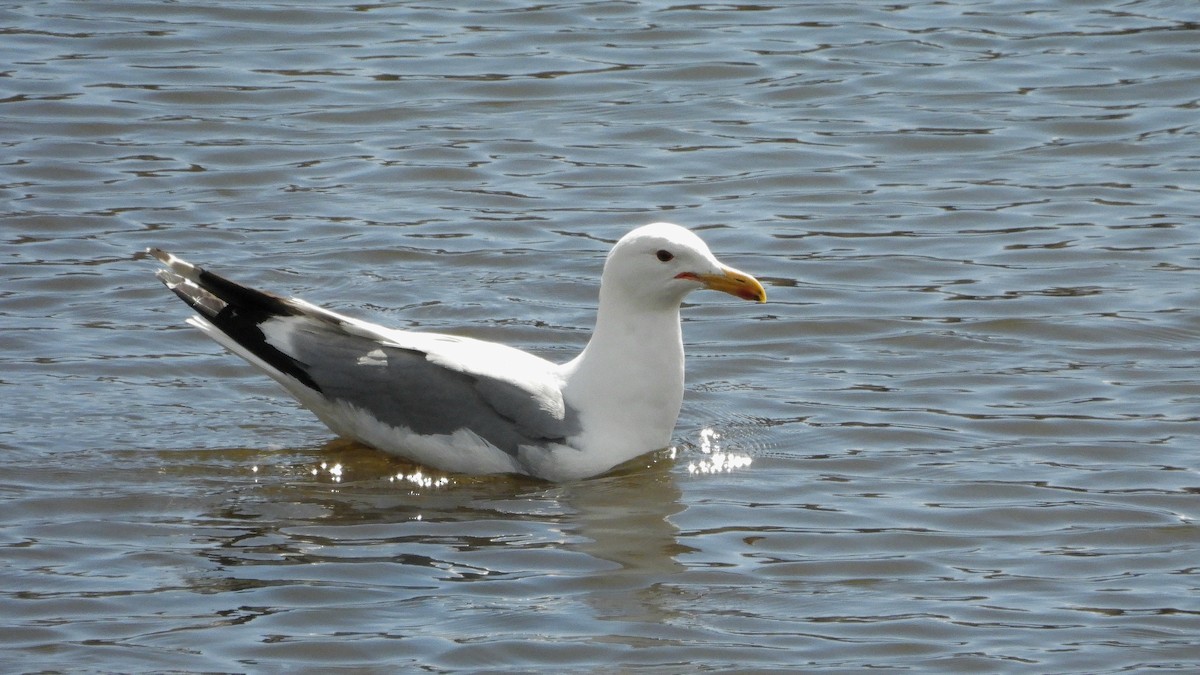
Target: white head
657 265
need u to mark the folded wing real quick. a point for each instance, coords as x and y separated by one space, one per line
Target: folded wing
423 383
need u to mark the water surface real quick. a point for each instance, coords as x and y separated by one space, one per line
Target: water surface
960 437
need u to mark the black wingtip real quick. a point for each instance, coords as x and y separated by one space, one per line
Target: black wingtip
236 310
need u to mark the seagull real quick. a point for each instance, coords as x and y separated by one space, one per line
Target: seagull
471 406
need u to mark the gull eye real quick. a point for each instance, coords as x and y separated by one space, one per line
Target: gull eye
664 255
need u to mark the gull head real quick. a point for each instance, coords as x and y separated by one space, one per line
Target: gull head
657 265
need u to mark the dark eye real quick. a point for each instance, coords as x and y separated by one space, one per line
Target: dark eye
664 255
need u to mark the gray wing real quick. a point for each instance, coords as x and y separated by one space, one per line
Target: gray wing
429 384
403 387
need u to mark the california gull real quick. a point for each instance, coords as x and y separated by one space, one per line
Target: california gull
471 406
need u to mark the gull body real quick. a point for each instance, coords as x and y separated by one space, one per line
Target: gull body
472 406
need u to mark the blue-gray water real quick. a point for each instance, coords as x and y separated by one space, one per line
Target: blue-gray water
961 437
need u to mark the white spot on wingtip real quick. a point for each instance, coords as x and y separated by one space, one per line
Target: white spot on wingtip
376 357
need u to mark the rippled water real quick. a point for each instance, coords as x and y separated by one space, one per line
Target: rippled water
962 436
